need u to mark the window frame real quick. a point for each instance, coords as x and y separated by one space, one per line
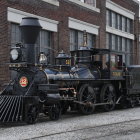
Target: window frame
77 41
119 22
85 5
86 2
39 43
53 2
122 46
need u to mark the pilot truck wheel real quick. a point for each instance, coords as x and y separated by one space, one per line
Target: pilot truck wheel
32 114
55 112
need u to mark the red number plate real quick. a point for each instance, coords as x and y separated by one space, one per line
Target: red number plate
23 82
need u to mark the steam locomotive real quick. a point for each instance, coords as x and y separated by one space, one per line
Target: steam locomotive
53 89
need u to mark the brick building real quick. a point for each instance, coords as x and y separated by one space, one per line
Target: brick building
110 24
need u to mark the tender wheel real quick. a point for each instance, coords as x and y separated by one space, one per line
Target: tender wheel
32 114
108 96
88 97
55 112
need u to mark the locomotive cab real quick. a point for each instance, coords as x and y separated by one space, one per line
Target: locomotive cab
110 63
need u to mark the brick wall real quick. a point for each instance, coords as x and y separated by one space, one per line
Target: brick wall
61 14
4 56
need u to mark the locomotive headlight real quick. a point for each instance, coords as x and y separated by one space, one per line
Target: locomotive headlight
14 54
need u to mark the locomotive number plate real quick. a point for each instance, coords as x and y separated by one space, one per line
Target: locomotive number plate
23 82
116 74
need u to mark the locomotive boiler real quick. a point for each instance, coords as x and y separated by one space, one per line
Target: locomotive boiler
88 78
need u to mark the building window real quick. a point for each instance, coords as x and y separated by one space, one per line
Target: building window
128 52
118 21
76 40
114 22
116 43
15 34
123 24
108 18
123 44
120 45
129 25
90 2
73 40
43 41
107 40
90 40
113 42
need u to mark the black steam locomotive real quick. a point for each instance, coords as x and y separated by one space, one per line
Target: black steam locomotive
53 89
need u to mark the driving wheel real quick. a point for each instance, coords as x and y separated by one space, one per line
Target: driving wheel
87 97
108 96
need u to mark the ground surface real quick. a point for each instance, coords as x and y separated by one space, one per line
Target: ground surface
118 124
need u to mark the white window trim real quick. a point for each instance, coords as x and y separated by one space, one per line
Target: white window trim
136 1
81 26
53 2
15 16
119 9
86 5
119 33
